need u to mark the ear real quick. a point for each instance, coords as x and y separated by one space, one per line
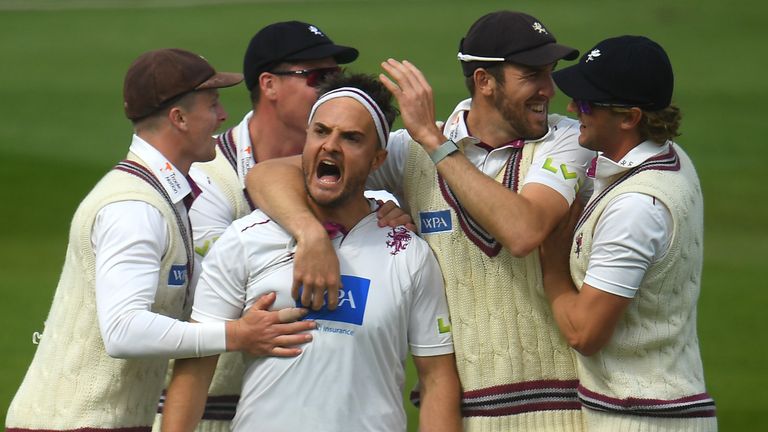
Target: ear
485 83
631 118
269 85
378 159
178 117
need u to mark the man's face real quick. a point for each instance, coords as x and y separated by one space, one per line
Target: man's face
342 148
294 96
204 114
523 99
599 128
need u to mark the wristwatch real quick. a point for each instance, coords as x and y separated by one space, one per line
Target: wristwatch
443 150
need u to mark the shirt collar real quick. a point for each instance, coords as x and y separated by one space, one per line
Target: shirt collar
245 158
456 129
176 184
603 167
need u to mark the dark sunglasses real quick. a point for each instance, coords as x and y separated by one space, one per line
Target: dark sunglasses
313 76
586 107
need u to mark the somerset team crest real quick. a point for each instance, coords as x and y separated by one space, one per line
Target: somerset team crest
399 240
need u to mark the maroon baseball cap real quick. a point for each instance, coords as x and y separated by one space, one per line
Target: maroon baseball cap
158 76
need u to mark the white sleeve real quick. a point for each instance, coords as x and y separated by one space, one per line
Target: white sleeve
210 214
389 176
633 232
221 290
429 327
561 163
129 240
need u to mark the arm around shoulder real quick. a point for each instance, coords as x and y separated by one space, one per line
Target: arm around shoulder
316 265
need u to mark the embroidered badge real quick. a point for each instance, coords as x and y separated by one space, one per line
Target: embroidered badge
592 55
315 30
539 28
400 240
578 241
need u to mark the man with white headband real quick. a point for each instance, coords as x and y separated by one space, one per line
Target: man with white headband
351 377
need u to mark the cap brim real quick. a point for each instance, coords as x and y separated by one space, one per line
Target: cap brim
544 54
572 82
342 54
220 80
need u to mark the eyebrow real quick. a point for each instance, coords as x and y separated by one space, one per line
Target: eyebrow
347 132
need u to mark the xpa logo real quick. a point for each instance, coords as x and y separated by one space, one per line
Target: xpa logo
352 301
436 221
178 275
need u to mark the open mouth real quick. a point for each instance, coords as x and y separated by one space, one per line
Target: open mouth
328 172
539 108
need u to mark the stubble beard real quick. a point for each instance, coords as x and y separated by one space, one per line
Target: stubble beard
517 120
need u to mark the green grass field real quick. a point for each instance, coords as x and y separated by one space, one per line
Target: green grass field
62 127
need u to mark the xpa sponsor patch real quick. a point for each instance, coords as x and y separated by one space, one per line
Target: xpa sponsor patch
353 298
177 275
435 221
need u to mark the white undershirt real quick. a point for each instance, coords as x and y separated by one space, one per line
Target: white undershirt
129 239
633 232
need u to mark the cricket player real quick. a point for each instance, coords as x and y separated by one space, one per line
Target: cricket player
115 317
350 378
628 303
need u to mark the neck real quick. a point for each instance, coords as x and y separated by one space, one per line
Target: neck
488 125
347 214
271 138
169 147
621 146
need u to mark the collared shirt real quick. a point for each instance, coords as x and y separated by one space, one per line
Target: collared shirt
212 212
557 147
392 301
129 240
633 232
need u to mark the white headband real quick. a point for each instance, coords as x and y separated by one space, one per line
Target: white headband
382 127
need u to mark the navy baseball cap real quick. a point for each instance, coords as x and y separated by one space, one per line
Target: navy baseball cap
512 37
290 41
625 70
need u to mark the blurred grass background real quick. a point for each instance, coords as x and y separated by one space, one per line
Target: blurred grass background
62 127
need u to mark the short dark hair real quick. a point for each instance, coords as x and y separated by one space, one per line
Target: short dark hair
662 125
367 83
496 71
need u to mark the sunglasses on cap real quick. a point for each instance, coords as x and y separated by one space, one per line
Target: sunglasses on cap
586 107
313 76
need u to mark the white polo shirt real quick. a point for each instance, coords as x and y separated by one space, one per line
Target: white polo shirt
351 376
622 252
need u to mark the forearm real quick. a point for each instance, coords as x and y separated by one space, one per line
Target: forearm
586 318
520 221
187 392
562 295
148 334
286 204
440 409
